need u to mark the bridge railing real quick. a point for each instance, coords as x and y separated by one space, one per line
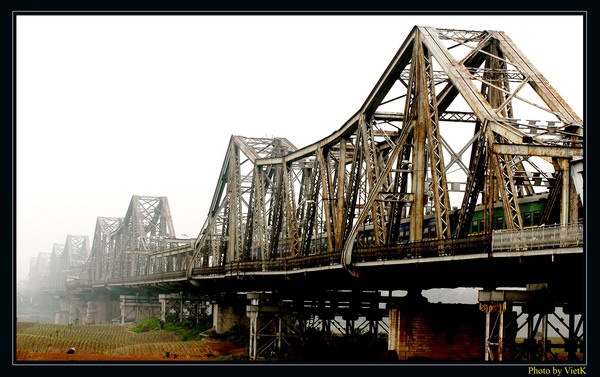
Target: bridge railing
160 276
284 264
528 239
425 249
546 237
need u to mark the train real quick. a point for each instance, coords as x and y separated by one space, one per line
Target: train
531 208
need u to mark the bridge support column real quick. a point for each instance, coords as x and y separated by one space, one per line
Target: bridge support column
77 310
375 324
270 325
184 306
500 331
569 200
538 308
137 307
102 309
350 327
227 314
575 325
62 314
436 331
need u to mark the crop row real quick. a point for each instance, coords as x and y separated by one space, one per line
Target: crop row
35 343
102 333
191 348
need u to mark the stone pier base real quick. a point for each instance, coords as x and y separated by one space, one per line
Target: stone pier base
103 309
227 315
437 332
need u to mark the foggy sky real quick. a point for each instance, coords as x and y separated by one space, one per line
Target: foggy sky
114 106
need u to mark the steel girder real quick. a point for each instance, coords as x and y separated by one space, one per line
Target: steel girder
77 250
355 187
251 205
103 248
68 260
55 265
39 270
147 227
123 246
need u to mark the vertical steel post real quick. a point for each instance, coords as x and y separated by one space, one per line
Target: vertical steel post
565 191
181 307
544 335
487 334
501 332
572 350
419 162
253 335
279 334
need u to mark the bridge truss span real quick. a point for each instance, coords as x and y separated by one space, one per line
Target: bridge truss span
462 168
388 175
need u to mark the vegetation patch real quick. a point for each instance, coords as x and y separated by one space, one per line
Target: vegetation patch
186 330
146 324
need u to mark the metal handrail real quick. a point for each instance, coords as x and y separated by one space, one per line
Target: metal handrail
544 237
502 240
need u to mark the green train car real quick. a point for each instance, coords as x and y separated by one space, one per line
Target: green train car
531 208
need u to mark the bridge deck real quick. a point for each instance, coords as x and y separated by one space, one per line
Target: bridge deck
482 249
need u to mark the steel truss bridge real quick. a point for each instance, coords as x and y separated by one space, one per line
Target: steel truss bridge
368 207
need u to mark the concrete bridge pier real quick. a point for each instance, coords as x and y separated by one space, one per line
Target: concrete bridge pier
71 310
62 314
227 313
102 309
423 330
77 310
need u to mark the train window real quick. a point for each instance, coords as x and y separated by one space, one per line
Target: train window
537 217
499 222
432 231
426 232
475 227
527 219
